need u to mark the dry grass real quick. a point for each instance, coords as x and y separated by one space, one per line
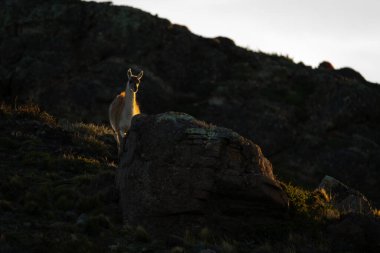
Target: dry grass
376 212
313 204
28 111
90 129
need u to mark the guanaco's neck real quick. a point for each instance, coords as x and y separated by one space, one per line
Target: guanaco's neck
130 100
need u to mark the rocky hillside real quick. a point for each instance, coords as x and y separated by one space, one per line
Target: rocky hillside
58 194
71 58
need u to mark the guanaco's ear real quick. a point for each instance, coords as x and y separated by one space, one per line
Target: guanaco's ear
140 75
129 73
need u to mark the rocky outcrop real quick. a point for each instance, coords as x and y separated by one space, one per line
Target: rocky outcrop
343 198
326 66
350 73
179 172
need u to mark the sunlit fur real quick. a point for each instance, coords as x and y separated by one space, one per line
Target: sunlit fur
136 108
123 108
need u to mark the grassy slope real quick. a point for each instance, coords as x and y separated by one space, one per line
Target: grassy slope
57 185
58 195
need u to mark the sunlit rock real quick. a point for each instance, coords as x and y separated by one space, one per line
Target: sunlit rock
345 199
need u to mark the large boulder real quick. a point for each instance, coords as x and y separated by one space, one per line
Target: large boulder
181 173
344 198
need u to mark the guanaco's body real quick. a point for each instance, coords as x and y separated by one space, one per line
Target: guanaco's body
123 108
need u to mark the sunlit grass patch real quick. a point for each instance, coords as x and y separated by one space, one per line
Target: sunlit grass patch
47 161
92 142
376 212
84 129
92 129
90 137
79 162
298 198
312 204
28 111
5 109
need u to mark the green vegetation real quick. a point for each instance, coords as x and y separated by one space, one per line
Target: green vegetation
311 205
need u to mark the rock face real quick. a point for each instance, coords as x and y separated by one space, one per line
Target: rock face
345 199
179 172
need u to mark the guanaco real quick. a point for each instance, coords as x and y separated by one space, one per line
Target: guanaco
123 108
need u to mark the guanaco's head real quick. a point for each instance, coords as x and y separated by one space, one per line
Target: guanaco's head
134 81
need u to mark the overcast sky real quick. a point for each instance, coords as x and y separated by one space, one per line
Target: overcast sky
344 32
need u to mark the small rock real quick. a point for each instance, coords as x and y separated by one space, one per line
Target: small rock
345 199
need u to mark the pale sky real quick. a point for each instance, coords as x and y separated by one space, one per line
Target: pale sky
344 32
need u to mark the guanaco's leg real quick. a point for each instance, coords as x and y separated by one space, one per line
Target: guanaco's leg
125 140
120 142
